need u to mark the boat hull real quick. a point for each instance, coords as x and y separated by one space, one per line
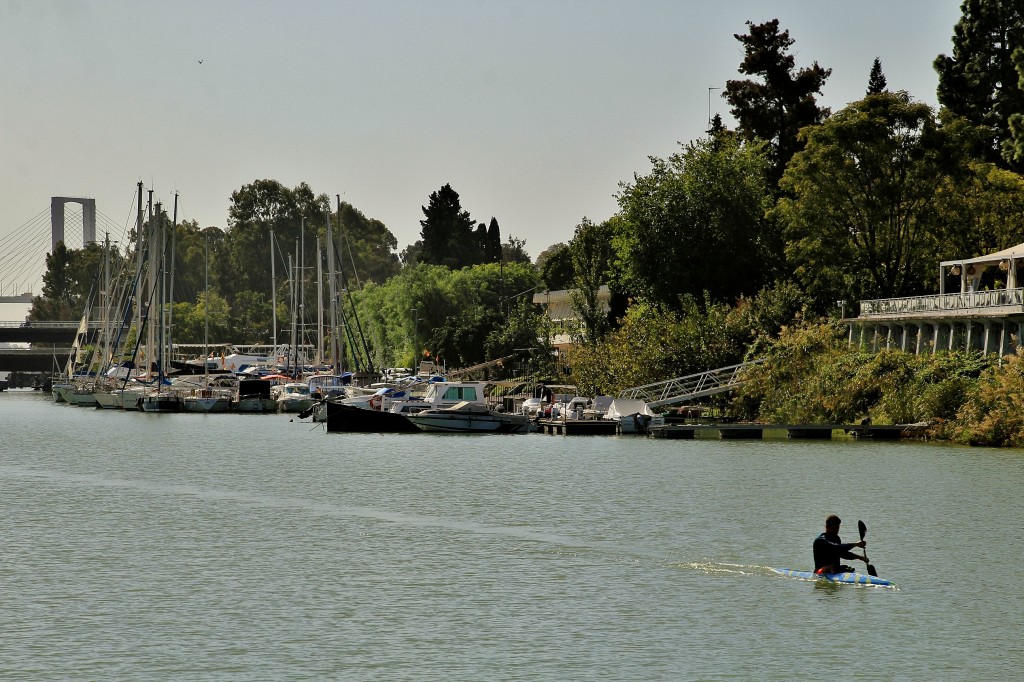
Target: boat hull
254 405
206 405
841 578
161 402
470 423
347 419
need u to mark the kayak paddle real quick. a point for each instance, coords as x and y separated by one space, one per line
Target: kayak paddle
863 531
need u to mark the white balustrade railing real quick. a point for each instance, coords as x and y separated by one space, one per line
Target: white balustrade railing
939 303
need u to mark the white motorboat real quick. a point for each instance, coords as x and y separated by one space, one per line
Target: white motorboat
633 416
206 400
293 396
467 417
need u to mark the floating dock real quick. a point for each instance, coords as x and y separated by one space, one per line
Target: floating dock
578 427
794 431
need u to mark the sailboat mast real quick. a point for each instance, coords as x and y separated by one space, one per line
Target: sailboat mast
139 254
105 344
206 315
162 296
332 290
301 281
154 261
319 306
170 289
273 289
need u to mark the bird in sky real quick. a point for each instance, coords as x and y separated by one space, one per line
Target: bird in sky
200 61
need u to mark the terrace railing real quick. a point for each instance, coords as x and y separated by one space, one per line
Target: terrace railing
944 303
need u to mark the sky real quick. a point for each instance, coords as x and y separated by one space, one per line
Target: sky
534 111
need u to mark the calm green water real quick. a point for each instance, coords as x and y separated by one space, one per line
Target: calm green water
244 547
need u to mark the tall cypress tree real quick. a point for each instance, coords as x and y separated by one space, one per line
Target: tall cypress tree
979 81
492 253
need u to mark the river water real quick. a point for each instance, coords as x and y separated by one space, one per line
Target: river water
241 547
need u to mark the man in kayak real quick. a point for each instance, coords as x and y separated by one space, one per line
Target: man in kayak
829 550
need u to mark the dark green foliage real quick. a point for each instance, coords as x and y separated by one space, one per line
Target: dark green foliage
782 102
366 246
860 212
654 343
555 265
464 316
514 251
71 274
492 242
256 210
993 413
811 375
979 82
876 80
591 254
447 231
697 223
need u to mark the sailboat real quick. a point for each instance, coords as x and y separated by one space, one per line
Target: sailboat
206 399
161 399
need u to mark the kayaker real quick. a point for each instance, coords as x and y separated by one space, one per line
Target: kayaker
829 549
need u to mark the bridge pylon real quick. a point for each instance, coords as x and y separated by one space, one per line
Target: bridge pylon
57 219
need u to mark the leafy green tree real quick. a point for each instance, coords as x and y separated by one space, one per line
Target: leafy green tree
463 317
71 275
980 214
514 251
555 266
257 210
190 320
591 253
367 246
448 232
250 318
697 223
410 255
876 79
860 212
979 82
782 102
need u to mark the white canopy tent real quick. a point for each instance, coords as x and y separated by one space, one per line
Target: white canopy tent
969 269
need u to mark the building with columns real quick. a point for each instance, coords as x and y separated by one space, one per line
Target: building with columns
979 307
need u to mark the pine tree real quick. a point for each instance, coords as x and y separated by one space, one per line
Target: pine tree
775 108
876 81
979 81
447 231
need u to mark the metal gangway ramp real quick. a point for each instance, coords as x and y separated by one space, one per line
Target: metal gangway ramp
690 387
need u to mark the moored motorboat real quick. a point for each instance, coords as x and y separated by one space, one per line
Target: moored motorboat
633 416
467 417
253 396
840 578
161 402
387 410
293 396
205 401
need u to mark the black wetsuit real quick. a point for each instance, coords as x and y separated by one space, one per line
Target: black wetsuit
829 550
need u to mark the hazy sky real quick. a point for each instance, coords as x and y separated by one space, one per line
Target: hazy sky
534 111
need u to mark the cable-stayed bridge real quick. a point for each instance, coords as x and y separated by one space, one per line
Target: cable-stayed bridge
23 249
